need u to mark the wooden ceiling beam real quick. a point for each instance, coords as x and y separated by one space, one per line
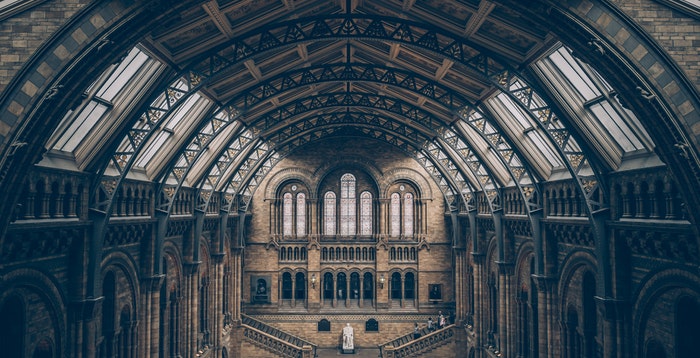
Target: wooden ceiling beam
218 18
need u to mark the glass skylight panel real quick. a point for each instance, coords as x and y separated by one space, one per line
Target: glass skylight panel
576 76
596 101
152 149
123 74
182 111
81 126
612 121
545 149
116 80
515 111
514 120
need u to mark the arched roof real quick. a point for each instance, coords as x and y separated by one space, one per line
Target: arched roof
483 94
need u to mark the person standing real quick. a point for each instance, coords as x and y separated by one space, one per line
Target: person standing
416 331
441 321
431 324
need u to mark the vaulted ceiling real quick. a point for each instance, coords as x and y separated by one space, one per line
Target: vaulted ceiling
480 94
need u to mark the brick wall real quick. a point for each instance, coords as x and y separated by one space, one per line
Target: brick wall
23 33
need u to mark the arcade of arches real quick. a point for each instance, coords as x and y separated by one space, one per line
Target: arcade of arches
244 178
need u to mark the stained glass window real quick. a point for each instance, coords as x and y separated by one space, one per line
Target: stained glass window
395 214
366 213
301 214
287 214
347 205
329 213
408 214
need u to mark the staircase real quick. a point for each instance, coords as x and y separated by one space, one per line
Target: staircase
407 346
273 340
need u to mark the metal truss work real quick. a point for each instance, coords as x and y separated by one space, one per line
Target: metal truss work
588 178
343 27
268 124
350 72
428 156
507 153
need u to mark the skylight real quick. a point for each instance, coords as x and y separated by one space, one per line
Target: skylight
594 104
111 89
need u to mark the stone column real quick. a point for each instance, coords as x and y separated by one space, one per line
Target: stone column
150 316
505 309
191 309
217 301
480 302
547 315
85 327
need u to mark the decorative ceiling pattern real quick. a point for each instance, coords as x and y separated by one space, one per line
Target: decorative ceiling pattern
245 83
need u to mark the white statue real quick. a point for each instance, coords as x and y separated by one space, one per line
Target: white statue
348 338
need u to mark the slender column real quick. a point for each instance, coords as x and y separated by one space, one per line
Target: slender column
312 219
217 300
84 325
546 314
506 326
236 282
150 316
191 329
480 302
384 215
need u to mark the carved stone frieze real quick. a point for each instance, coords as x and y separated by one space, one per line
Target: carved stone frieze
664 244
23 245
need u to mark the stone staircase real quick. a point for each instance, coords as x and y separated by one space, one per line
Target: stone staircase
424 346
275 341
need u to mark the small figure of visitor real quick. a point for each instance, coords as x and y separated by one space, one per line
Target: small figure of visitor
441 321
431 326
416 331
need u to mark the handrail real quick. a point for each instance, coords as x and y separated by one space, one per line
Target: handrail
406 345
272 343
288 339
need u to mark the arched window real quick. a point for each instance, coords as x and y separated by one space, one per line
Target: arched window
301 214
347 205
342 285
355 286
367 286
287 214
300 289
409 286
366 213
286 286
395 215
327 286
396 286
329 213
408 214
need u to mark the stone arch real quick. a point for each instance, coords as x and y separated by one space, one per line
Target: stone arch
21 285
125 263
285 175
571 265
405 174
330 166
657 286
